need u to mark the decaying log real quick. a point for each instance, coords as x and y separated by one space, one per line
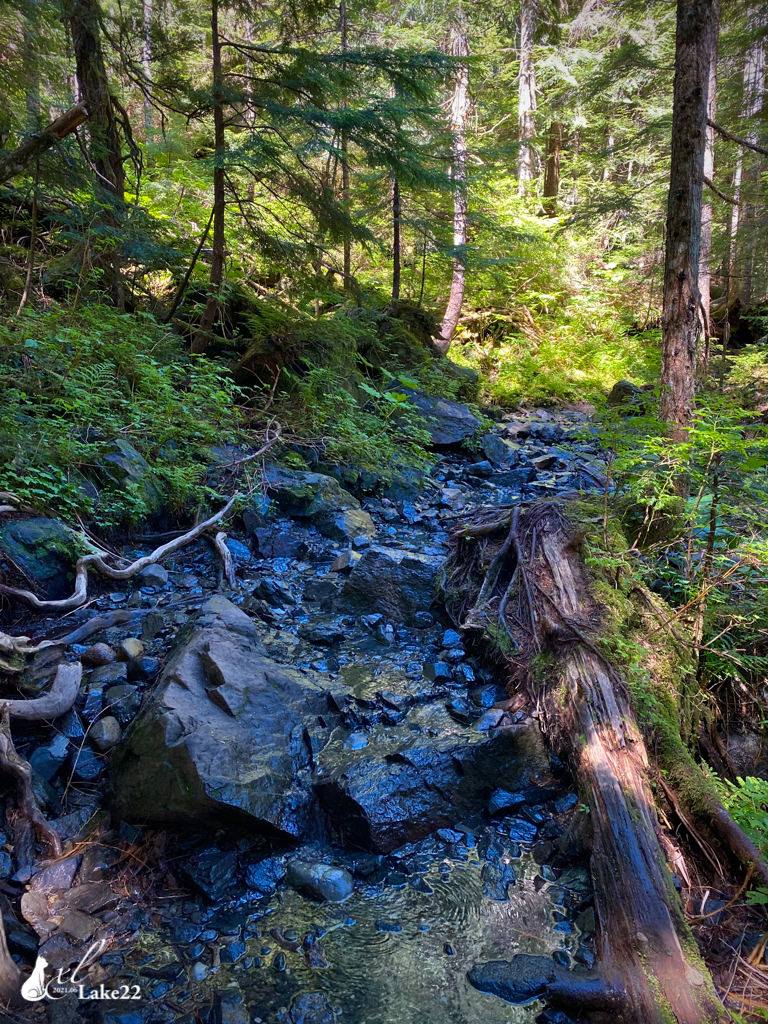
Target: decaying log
647 969
58 700
220 543
15 162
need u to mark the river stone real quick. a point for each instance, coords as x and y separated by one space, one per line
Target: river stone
129 648
447 422
346 525
153 575
105 733
46 551
393 581
321 499
311 1008
98 654
321 881
224 736
517 980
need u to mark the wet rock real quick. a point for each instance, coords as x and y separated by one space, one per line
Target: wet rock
311 1008
48 759
153 575
210 871
321 881
129 649
323 592
397 792
502 453
241 554
285 540
109 675
322 500
447 422
480 469
274 592
351 525
393 581
233 952
143 669
517 980
187 759
514 478
520 830
423 620
70 725
98 654
346 562
502 800
123 702
552 1016
264 877
585 921
46 551
496 879
86 766
105 733
322 635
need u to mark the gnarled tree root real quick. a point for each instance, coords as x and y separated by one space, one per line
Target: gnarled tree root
648 969
97 561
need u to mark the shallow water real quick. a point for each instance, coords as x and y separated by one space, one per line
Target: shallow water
415 975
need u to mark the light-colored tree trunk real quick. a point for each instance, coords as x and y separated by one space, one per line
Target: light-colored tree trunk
754 95
146 59
705 265
526 96
696 23
459 46
396 240
345 183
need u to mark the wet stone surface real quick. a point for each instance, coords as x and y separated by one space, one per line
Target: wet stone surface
421 827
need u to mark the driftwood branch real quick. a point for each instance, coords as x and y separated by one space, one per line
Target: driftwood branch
220 543
19 159
52 704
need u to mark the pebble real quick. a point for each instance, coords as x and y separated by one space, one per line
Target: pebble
97 655
105 733
129 648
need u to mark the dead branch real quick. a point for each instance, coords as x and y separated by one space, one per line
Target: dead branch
19 159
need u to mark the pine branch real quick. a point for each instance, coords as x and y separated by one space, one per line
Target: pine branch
734 138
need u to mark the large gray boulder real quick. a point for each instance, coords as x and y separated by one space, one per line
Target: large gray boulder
322 500
393 581
126 467
225 735
46 551
447 422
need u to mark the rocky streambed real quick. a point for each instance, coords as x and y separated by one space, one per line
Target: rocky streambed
303 799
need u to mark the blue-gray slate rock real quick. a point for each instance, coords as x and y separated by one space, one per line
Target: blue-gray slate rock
320 881
322 500
224 736
395 582
447 422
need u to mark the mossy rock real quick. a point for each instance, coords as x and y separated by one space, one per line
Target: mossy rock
125 466
46 551
649 524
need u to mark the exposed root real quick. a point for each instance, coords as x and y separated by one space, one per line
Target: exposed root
226 557
58 700
15 765
96 561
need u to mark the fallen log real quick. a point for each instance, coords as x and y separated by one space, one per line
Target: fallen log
19 159
648 969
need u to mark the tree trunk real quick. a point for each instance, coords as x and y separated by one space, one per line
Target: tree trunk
680 315
647 971
459 46
31 70
105 148
552 172
146 58
17 161
705 265
202 338
345 164
754 91
526 96
396 242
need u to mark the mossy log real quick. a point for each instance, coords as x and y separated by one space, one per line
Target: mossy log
648 967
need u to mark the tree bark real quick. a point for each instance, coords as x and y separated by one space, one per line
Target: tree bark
526 96
202 339
552 172
17 161
345 193
146 59
647 971
459 47
754 92
680 314
705 272
105 149
396 240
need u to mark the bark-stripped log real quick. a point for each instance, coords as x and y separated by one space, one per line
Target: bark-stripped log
19 159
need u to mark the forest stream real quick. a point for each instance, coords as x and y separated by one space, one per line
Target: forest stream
395 822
